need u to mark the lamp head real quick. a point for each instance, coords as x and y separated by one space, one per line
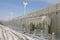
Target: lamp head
25 3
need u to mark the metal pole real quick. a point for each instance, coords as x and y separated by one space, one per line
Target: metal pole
25 5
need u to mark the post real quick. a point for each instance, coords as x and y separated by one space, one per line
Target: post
24 30
42 33
35 32
46 29
53 36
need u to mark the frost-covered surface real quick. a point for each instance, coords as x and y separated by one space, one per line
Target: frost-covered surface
9 34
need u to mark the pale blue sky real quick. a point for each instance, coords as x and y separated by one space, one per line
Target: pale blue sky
8 8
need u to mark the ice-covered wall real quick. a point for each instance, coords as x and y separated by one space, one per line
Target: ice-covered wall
53 12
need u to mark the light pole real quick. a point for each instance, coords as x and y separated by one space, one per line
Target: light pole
25 5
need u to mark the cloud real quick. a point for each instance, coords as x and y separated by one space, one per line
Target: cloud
51 1
11 14
47 1
4 18
7 17
1 18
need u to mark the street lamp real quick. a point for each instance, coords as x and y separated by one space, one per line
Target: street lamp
25 5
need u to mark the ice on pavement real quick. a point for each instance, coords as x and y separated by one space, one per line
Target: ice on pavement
9 34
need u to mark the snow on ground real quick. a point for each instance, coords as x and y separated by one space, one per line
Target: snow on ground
9 34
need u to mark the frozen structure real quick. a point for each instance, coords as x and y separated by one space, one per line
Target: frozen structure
52 14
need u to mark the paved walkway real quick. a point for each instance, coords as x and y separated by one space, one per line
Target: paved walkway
9 34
